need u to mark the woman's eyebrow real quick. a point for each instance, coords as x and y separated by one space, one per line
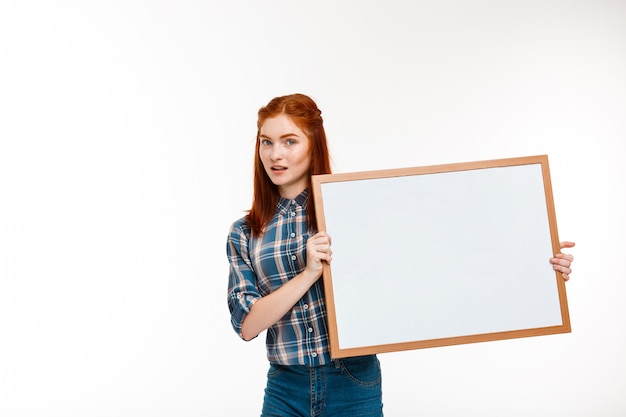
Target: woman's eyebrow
286 135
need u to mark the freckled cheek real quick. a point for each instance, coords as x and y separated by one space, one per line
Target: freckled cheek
304 160
265 159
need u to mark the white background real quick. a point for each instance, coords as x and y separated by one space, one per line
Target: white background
127 132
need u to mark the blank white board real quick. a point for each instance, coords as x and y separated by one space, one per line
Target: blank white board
440 255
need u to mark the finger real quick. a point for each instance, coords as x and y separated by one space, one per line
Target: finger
320 237
566 256
318 249
321 244
565 269
567 244
328 257
323 257
561 262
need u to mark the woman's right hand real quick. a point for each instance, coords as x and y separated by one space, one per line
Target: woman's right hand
271 307
317 252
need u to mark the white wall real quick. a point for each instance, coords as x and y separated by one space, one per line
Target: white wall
126 132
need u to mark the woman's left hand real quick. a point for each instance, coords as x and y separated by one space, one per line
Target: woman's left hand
562 262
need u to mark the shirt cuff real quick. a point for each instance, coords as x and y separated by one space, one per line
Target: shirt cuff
240 305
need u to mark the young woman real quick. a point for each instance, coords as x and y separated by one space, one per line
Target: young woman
276 255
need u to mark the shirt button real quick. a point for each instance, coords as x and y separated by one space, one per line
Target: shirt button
293 257
293 235
239 296
293 213
306 306
310 330
314 354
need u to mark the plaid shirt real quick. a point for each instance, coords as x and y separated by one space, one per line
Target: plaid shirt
260 265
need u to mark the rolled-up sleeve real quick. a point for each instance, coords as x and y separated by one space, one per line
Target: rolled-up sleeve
242 287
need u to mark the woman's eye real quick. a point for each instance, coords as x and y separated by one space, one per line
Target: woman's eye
291 142
266 142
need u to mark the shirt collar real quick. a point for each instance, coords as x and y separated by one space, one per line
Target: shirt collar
300 200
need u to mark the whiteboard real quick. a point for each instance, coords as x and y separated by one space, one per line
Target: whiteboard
440 255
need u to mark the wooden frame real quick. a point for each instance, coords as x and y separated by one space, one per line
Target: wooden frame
440 255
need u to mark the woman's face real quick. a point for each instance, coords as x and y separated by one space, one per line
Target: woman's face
284 152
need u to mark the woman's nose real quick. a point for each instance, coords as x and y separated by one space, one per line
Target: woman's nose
276 153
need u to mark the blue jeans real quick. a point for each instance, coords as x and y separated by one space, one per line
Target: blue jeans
348 387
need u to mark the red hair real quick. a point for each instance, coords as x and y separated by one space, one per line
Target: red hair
302 111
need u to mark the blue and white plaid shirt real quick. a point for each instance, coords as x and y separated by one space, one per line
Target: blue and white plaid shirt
260 265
